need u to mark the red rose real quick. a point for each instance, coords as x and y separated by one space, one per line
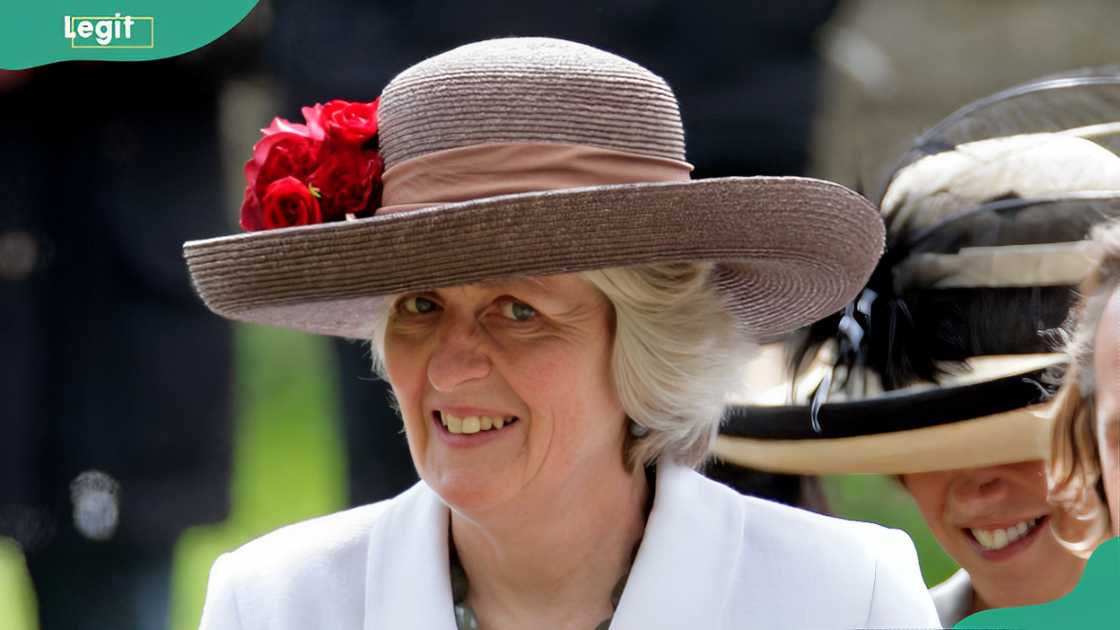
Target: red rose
284 151
281 125
300 150
289 202
321 170
313 116
291 156
345 178
251 211
349 123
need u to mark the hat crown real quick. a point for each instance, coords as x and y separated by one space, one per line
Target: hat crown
528 90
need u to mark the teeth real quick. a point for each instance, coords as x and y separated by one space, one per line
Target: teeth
999 538
995 539
983 537
472 424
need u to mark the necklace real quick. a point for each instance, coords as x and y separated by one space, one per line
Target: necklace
465 618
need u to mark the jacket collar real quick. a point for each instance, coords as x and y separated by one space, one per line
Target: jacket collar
408 581
680 578
692 545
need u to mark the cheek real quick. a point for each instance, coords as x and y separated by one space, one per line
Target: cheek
929 491
1108 446
1030 478
570 394
558 386
407 377
564 373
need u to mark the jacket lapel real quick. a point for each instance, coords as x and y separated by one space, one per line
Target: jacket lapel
687 559
407 575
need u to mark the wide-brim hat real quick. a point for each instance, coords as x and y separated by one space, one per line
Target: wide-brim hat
994 411
994 200
533 157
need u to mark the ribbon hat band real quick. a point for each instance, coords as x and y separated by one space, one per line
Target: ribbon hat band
492 169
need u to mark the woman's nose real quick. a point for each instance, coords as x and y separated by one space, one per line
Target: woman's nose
458 358
977 488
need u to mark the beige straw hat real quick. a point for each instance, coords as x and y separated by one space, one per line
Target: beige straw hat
993 205
533 157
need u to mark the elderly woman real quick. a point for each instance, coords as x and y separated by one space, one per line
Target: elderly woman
559 311
1084 466
986 220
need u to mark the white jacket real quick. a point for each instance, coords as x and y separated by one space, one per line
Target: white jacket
710 558
953 598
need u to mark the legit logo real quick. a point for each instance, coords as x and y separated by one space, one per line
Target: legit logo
114 31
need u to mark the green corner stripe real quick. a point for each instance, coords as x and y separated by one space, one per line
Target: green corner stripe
48 31
1093 603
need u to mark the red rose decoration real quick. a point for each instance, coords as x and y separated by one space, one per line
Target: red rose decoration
286 126
350 123
345 178
289 202
322 170
314 117
280 155
251 220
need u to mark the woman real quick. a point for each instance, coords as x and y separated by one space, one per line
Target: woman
559 311
985 220
1084 466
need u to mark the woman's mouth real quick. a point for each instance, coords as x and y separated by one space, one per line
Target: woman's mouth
473 424
999 543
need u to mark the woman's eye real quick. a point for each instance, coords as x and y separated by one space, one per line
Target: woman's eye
418 305
517 311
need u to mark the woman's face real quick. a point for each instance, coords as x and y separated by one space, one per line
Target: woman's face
1106 358
995 522
505 389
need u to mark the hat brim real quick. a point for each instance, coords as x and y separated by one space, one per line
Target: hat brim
790 250
1015 436
906 431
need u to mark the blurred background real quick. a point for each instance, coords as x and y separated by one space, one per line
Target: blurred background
142 436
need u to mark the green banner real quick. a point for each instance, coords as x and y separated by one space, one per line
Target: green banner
1093 603
40 32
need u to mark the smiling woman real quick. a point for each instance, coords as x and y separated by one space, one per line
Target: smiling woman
560 311
455 356
995 522
674 348
941 366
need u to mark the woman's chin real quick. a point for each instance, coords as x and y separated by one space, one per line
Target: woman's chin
470 491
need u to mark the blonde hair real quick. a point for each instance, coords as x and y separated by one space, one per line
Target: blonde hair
1073 470
677 353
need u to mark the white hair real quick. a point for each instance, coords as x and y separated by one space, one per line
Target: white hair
677 354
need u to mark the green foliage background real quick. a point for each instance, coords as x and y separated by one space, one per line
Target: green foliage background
289 465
